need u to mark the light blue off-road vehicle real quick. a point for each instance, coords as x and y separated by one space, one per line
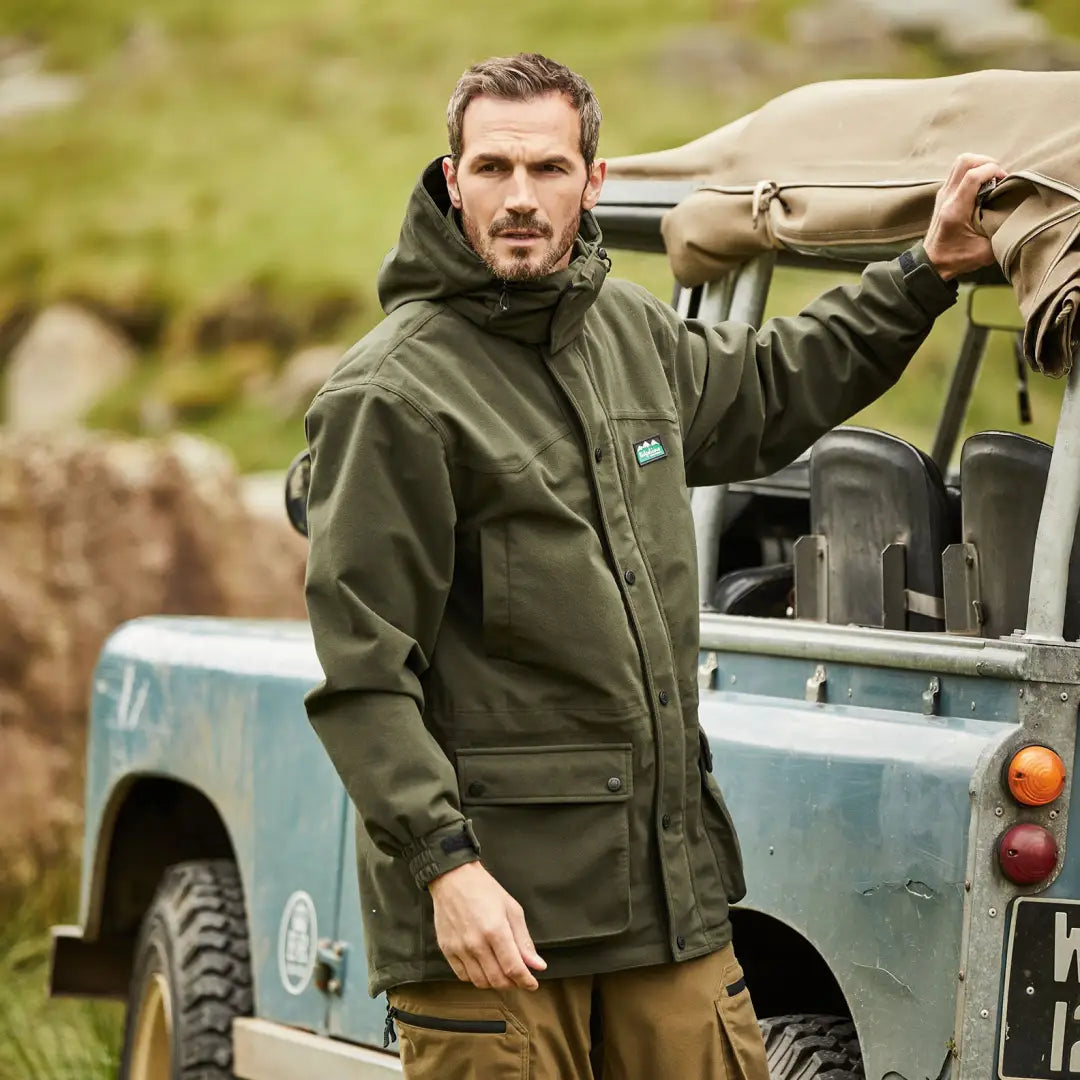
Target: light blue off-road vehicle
889 688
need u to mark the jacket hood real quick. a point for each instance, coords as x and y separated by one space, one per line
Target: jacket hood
433 261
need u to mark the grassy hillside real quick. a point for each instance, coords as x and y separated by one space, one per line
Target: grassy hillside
268 146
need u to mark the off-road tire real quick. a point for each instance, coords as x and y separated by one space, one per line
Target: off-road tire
194 942
808 1046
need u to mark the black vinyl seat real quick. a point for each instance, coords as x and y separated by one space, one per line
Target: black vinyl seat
880 517
1002 481
755 590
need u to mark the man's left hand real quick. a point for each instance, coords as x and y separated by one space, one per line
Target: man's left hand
953 243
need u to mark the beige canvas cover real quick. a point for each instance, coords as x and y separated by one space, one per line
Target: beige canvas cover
841 166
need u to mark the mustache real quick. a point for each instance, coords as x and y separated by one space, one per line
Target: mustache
520 223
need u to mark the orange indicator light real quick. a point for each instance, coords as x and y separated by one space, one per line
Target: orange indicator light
1036 776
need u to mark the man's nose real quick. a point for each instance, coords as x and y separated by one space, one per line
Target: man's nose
521 198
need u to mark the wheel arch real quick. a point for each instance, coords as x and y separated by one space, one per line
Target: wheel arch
150 822
785 971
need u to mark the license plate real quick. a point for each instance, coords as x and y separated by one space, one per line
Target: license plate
1040 1022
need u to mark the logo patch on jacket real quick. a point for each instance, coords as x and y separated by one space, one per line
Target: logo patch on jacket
649 450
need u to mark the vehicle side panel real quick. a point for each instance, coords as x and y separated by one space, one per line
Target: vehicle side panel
218 705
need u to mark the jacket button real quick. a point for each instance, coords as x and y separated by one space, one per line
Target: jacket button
614 784
663 697
598 453
630 577
476 789
665 821
681 941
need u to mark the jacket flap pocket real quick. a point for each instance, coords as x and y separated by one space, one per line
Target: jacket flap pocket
546 774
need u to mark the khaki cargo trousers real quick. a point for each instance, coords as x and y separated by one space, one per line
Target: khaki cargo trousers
688 1021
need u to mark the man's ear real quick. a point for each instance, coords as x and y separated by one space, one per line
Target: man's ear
450 172
591 195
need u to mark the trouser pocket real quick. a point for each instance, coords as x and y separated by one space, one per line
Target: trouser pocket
740 1035
460 1042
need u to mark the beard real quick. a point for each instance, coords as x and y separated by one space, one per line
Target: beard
524 263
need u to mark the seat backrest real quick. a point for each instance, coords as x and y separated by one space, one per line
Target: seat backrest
1002 483
764 591
868 492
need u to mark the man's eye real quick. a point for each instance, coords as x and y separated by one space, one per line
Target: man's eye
489 167
551 168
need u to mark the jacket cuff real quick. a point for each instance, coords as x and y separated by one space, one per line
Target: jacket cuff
924 284
442 850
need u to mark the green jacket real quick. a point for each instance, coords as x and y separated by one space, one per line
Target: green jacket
503 590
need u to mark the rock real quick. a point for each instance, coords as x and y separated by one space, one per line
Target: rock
838 26
62 365
995 34
25 88
720 58
857 34
39 823
264 494
95 531
969 28
302 377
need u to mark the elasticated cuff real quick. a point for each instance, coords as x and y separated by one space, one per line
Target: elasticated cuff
442 850
924 284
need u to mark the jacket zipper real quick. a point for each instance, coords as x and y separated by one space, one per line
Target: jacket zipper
438 1023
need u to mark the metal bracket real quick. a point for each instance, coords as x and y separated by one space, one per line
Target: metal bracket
963 598
816 685
706 672
894 587
330 966
811 556
931 697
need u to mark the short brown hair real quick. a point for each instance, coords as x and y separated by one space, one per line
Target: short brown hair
521 78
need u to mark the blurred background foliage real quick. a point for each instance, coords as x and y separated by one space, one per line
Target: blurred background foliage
232 174
226 178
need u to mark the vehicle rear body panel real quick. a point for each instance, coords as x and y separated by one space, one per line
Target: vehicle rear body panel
853 820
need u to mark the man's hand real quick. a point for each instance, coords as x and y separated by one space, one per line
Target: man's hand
953 243
481 930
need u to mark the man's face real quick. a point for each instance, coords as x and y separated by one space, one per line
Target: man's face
521 183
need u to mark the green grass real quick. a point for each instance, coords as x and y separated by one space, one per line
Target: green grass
42 1039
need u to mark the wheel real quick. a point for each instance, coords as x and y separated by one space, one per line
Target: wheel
191 976
812 1047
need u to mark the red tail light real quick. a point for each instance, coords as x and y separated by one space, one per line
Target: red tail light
1028 854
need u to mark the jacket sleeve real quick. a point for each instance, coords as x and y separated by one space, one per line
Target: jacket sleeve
752 401
381 524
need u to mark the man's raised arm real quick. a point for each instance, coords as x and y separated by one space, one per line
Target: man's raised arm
751 401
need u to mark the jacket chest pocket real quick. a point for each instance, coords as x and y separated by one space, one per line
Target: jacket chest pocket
554 830
551 600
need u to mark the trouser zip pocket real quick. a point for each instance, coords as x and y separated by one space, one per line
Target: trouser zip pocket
439 1023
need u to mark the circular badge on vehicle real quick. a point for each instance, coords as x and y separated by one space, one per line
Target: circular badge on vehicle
297 942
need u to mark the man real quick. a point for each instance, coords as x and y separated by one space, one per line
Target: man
503 595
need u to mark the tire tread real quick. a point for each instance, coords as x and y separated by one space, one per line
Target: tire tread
807 1046
199 906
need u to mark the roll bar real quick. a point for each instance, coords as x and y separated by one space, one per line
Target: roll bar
1057 522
